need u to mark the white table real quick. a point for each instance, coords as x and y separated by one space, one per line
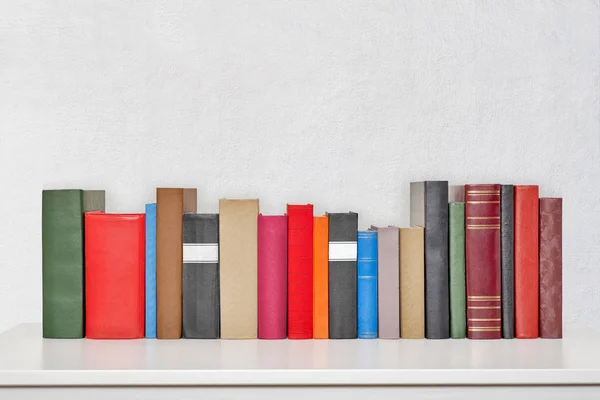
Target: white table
285 369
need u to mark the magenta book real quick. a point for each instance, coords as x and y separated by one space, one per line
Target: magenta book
272 276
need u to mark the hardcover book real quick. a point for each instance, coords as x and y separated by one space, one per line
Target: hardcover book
551 268
238 255
272 276
482 242
526 261
412 283
367 285
343 232
62 264
151 271
458 314
321 277
300 271
507 234
429 209
200 286
114 275
388 281
171 203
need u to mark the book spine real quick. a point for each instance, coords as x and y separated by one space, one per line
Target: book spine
482 241
200 285
114 275
388 280
507 233
526 262
429 209
94 200
412 283
151 270
171 203
551 268
272 276
321 277
343 231
300 271
458 314
367 285
62 264
238 257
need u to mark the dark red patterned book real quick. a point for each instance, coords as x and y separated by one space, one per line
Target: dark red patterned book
551 268
114 275
300 271
482 253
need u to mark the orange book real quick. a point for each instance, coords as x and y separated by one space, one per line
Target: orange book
321 277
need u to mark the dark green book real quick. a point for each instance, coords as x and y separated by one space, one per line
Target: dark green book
458 318
63 260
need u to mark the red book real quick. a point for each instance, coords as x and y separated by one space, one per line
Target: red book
272 276
482 261
300 271
114 275
551 268
526 262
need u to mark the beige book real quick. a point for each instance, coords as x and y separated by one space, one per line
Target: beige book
171 203
238 224
412 283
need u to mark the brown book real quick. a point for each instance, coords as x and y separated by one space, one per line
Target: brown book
412 283
238 252
171 203
551 268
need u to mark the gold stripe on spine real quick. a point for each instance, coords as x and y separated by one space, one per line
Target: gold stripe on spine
494 228
484 329
490 300
483 297
491 191
483 225
484 307
485 319
483 194
484 202
495 217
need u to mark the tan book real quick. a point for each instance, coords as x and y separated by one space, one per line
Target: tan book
238 252
412 283
171 203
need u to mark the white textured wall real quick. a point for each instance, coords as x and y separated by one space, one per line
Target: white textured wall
340 103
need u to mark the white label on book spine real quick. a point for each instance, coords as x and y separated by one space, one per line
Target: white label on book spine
342 251
202 253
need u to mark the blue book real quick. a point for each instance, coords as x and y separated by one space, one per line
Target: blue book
151 270
367 285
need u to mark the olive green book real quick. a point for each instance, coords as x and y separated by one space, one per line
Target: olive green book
458 318
63 315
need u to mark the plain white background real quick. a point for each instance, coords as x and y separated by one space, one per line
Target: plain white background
338 103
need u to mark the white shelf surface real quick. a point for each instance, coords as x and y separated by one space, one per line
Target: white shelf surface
28 360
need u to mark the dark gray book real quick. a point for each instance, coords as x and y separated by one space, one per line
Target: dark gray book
429 209
343 235
507 242
200 286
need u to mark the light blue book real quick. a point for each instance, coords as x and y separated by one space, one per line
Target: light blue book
151 270
367 285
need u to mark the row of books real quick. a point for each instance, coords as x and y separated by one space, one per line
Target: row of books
477 261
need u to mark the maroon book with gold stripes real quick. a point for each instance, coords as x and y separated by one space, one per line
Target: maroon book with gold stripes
482 241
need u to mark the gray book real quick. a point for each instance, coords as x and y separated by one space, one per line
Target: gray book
507 235
388 281
429 209
200 286
343 236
